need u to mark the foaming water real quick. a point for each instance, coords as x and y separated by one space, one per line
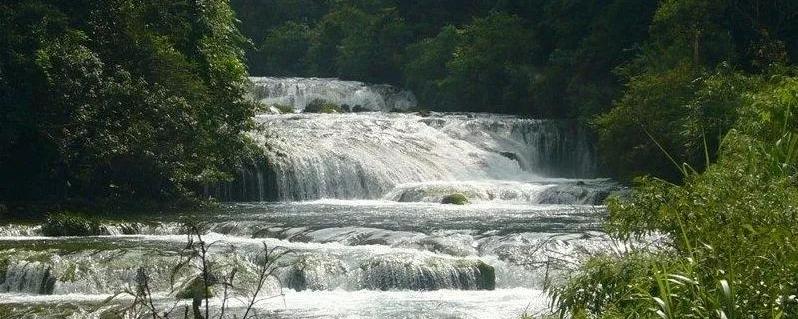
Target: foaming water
412 263
536 192
499 304
350 258
297 93
366 155
355 201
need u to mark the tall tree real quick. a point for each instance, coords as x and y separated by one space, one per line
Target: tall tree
119 99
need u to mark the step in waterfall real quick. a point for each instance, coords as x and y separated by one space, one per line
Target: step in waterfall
357 200
367 155
297 93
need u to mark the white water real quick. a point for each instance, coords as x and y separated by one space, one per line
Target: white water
299 92
366 155
356 198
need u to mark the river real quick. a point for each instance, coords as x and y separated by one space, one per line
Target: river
355 200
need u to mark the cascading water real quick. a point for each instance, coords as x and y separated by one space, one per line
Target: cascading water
356 198
365 155
297 93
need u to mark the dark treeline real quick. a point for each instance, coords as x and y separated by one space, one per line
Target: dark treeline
118 102
639 71
544 58
143 99
710 104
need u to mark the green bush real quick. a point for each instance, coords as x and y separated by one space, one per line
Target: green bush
680 110
72 224
322 106
119 102
734 245
606 284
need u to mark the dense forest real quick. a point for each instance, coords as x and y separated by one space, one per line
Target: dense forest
693 102
539 58
638 71
114 102
647 76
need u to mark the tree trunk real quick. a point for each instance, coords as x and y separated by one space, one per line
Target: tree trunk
697 47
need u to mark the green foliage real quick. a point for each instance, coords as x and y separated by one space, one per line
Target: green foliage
119 100
3 269
733 250
455 199
358 42
71 224
685 86
607 287
283 49
322 106
426 65
508 64
681 110
486 64
544 58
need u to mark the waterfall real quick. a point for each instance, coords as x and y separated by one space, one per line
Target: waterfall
369 155
366 155
355 200
351 95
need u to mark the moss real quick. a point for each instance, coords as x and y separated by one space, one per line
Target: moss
70 273
456 199
71 224
3 269
322 106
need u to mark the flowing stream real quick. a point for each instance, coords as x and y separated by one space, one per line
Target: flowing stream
355 201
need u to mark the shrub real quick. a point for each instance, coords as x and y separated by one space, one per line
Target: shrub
322 106
71 224
734 249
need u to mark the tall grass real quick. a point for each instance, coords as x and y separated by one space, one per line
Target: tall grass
733 230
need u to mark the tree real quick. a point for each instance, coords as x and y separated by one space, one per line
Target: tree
282 51
119 101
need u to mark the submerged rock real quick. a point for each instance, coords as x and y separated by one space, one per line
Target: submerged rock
396 273
315 273
3 269
578 193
